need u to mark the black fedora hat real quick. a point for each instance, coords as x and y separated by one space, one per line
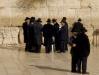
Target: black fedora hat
54 20
27 18
64 18
39 20
32 18
48 20
79 19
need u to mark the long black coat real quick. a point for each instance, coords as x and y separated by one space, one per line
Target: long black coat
48 33
56 35
82 48
63 33
37 27
31 34
26 32
56 30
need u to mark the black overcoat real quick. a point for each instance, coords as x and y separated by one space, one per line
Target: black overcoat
37 27
26 32
48 33
82 48
63 33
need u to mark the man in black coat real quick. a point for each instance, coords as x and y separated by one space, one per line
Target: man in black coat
83 46
37 27
80 50
31 34
77 25
48 36
26 32
66 32
56 34
63 36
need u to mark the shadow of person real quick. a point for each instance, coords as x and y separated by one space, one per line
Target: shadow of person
51 68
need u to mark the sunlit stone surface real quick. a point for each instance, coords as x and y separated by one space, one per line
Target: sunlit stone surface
17 62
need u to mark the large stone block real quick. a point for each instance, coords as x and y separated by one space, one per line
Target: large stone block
9 35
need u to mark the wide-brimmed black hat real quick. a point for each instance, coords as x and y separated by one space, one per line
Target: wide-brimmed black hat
39 20
27 18
54 20
32 19
64 18
79 19
48 20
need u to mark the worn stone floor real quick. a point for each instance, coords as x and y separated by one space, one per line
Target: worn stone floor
18 62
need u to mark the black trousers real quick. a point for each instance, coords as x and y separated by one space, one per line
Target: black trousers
63 46
74 63
37 48
57 44
48 48
28 47
82 64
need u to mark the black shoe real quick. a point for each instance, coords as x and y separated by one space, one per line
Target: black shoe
74 71
78 71
85 73
37 52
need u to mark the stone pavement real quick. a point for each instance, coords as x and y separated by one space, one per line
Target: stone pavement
18 62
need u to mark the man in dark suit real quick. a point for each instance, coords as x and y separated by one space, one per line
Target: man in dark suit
77 25
37 27
66 32
56 34
48 36
63 36
83 46
80 50
26 32
31 35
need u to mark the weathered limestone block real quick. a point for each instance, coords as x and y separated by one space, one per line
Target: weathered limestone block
9 35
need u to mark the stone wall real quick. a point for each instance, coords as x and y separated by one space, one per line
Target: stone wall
13 12
9 35
13 36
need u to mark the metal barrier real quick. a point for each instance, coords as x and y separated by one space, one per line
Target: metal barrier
96 37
